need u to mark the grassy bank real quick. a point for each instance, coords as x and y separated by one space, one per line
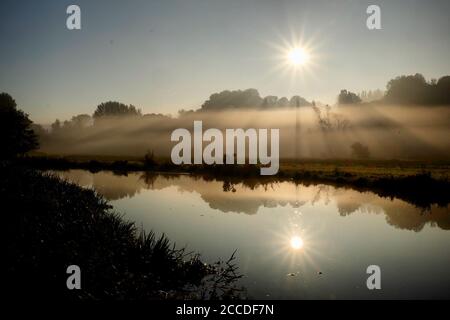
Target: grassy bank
51 224
421 183
288 168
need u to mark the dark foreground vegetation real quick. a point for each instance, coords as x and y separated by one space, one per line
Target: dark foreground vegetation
51 224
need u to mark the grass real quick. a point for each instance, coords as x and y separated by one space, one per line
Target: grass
51 224
370 169
288 168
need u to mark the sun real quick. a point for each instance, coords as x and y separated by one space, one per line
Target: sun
298 56
296 243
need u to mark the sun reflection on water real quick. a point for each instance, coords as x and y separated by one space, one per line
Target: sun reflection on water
296 243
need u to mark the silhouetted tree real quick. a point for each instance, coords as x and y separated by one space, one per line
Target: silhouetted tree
56 126
73 125
269 101
369 96
40 132
16 134
442 91
81 121
159 116
414 89
297 101
407 89
329 120
347 97
38 129
249 98
114 108
283 102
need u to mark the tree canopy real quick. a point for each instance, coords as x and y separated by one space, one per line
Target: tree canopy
114 108
249 98
16 132
347 97
414 89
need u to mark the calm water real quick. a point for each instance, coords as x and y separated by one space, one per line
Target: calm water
292 241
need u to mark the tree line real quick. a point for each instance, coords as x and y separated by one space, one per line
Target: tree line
405 90
19 134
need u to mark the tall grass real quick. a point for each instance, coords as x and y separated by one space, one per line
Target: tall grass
51 224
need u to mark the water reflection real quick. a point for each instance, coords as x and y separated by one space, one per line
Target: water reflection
296 243
293 241
252 195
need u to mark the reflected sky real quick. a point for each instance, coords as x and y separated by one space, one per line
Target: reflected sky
292 241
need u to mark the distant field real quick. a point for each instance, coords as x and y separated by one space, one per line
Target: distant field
370 168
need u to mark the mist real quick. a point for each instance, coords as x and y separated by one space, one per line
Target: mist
385 131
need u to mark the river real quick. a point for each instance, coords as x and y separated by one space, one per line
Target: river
293 241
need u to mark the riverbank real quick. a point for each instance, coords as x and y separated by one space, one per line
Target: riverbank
52 224
422 183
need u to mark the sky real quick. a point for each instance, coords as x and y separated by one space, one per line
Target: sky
163 56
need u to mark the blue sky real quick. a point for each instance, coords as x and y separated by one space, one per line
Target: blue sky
166 55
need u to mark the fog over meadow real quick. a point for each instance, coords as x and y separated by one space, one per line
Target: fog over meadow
410 120
385 131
